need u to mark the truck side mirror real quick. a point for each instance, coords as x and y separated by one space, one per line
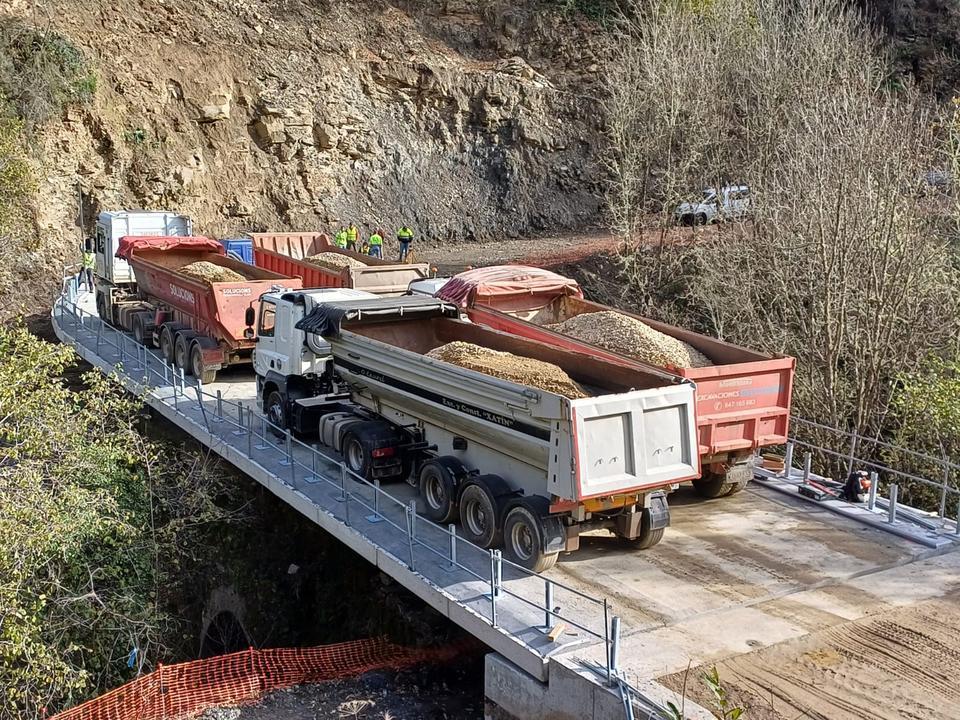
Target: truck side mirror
249 317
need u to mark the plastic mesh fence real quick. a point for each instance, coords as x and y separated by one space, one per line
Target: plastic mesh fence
187 689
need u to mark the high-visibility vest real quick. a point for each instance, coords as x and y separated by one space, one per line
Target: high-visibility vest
376 239
340 239
352 233
89 261
405 234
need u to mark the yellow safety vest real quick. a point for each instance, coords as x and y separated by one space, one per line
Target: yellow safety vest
89 261
352 234
340 239
405 233
376 239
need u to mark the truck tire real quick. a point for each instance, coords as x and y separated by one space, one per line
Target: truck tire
273 410
168 340
700 219
181 352
717 485
647 537
524 540
102 308
438 490
478 514
356 454
142 328
200 371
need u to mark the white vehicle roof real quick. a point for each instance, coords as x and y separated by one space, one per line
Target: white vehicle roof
427 286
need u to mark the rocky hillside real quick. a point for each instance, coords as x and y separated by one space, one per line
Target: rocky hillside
461 118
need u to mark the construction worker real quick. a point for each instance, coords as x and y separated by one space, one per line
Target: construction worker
375 243
353 237
340 239
857 487
86 271
404 237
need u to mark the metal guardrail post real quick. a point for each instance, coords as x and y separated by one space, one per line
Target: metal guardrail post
166 373
313 477
548 605
452 530
219 415
788 459
262 445
498 565
872 497
615 645
892 510
346 508
943 492
176 392
408 511
493 590
807 461
606 637
239 430
203 410
343 483
288 460
249 432
183 381
99 335
375 517
293 465
956 528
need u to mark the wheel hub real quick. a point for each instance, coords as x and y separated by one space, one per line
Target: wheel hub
522 541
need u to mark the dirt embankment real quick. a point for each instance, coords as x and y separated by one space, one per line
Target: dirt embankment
463 120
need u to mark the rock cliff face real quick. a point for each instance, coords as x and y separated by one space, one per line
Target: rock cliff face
464 119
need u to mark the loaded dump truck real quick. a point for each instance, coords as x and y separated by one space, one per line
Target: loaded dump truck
290 254
197 320
519 465
743 396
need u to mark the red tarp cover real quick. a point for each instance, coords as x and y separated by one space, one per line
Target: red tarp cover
502 280
129 244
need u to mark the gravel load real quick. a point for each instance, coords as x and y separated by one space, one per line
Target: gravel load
208 272
506 366
629 336
334 261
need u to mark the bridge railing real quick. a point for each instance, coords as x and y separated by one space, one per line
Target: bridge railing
434 552
849 450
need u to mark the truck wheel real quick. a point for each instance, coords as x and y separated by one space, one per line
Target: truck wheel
181 353
717 485
437 491
102 308
478 514
142 328
168 341
355 455
700 219
647 537
275 414
200 371
523 541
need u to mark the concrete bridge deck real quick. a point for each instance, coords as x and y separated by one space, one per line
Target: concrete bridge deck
732 576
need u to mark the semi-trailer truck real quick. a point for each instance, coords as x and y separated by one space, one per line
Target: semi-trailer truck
198 325
517 465
285 253
743 398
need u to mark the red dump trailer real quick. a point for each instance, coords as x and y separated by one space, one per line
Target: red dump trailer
742 400
285 252
201 326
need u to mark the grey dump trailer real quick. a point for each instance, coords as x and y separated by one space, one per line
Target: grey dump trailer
517 465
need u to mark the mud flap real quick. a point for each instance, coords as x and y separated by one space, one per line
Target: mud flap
659 510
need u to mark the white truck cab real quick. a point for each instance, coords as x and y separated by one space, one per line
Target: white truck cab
296 366
114 276
731 202
427 286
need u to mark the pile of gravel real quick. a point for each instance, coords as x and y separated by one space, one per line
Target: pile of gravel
506 366
334 261
208 272
628 336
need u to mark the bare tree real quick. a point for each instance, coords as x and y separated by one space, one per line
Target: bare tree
843 265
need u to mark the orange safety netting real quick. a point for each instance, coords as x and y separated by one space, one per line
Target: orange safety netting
187 689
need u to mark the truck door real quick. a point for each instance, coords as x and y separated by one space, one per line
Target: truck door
266 357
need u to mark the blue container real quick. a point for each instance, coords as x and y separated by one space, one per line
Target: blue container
239 249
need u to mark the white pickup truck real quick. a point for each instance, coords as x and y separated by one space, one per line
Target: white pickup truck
519 466
728 203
